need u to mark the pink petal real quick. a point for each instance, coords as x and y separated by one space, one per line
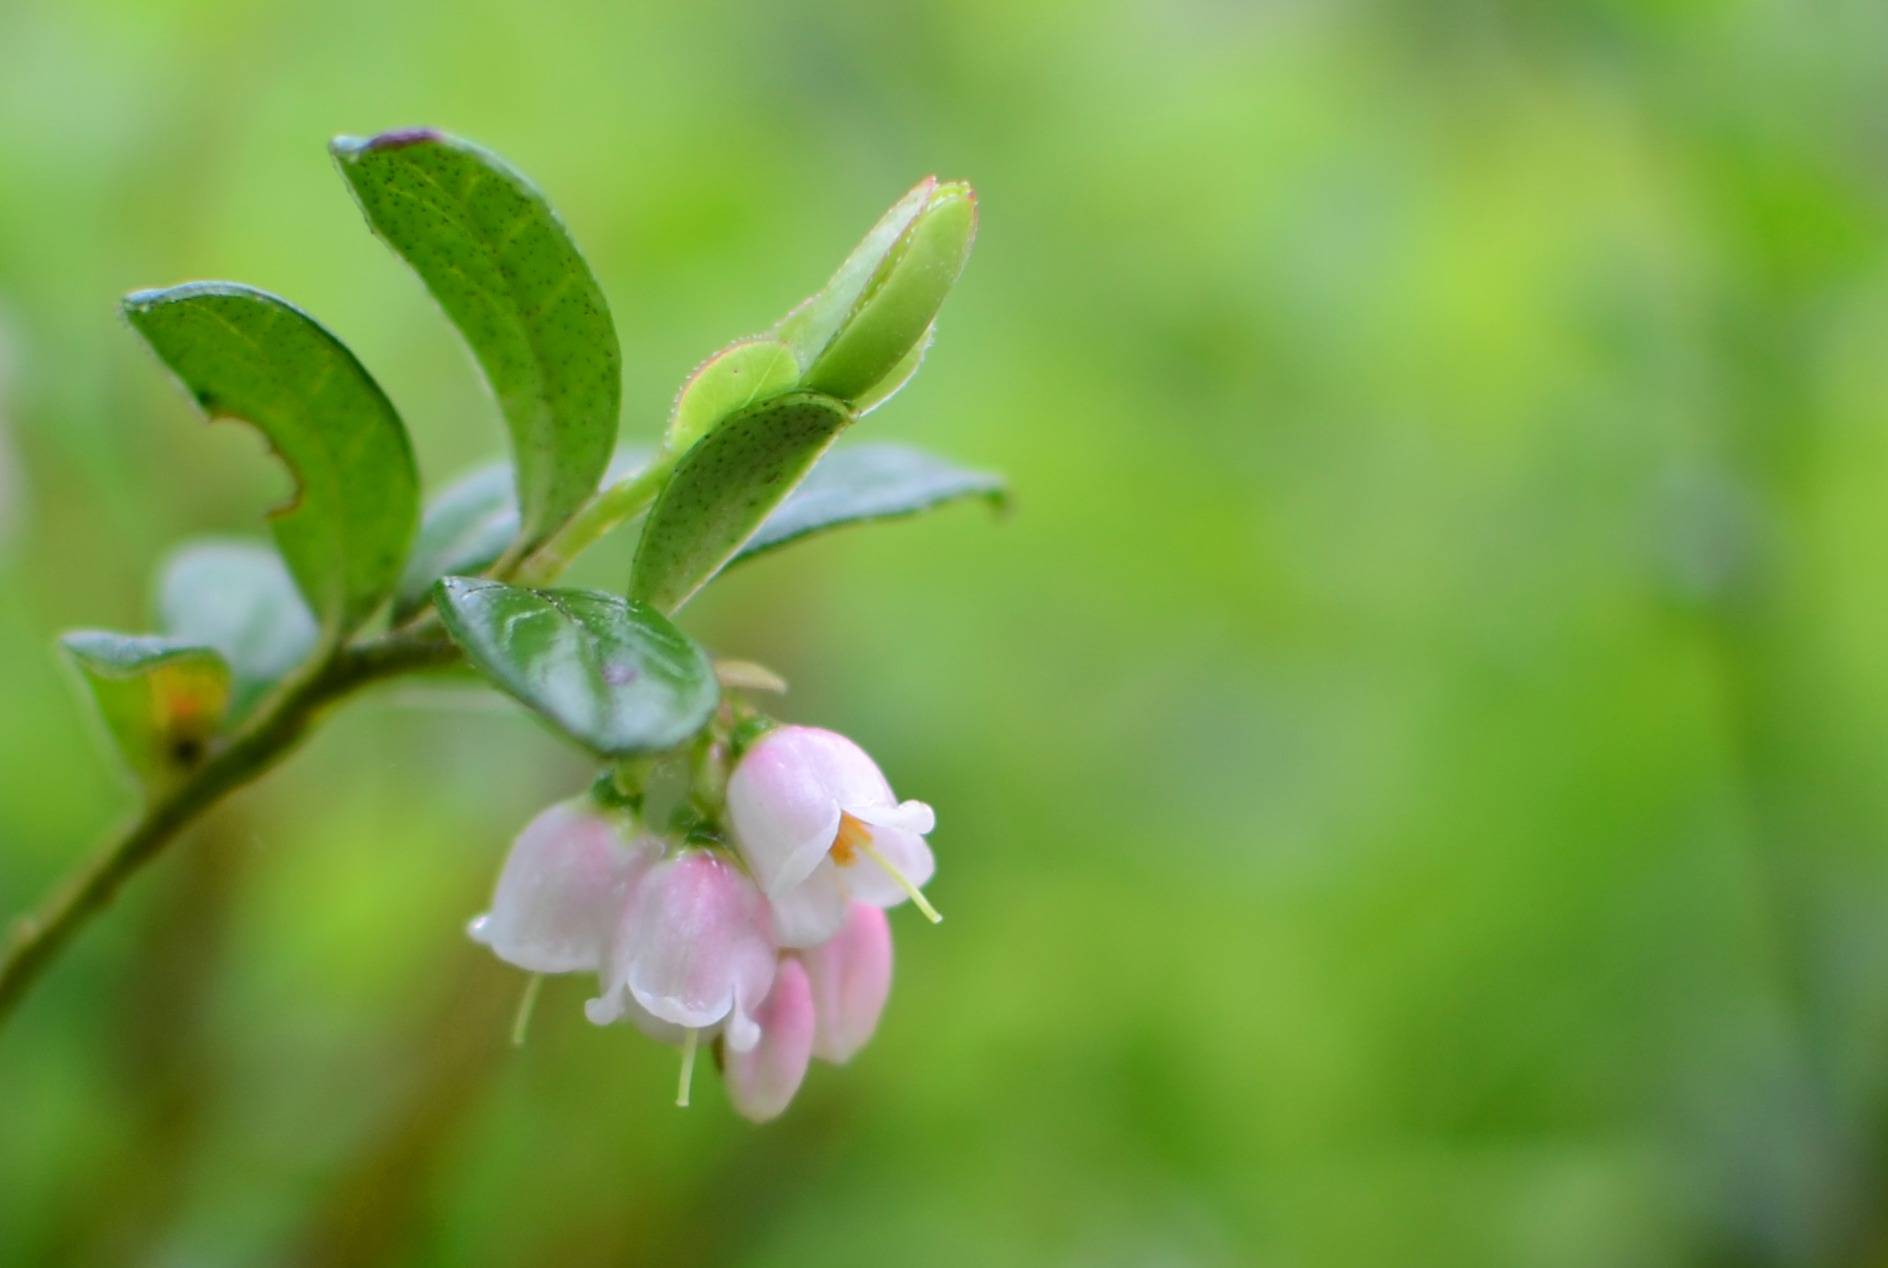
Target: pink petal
761 1082
563 883
850 977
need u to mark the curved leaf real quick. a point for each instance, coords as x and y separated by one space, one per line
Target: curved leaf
247 354
732 379
895 313
815 320
236 597
162 699
613 674
723 488
504 269
869 482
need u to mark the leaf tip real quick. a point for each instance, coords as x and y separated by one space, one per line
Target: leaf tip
346 147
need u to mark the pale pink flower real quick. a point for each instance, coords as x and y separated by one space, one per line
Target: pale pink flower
761 1081
693 949
850 976
819 825
562 886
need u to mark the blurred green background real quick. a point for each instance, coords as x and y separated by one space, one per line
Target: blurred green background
1410 771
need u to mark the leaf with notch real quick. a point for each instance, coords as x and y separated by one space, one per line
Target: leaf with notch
244 353
613 674
237 597
724 487
859 483
503 267
162 699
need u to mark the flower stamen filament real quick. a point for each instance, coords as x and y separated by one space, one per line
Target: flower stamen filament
526 1005
689 1041
912 892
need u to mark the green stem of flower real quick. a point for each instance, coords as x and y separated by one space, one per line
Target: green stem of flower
610 507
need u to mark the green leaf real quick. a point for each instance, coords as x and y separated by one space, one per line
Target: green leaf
894 381
236 597
894 313
502 265
869 482
162 699
723 488
465 530
813 323
732 379
613 674
247 354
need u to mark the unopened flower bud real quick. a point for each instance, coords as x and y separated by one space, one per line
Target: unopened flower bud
850 975
761 1082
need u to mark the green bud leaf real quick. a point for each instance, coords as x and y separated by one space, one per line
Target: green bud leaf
896 310
813 323
902 373
732 379
723 488
247 354
465 530
236 597
507 274
869 482
613 674
162 699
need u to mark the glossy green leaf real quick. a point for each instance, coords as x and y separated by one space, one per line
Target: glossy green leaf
613 674
246 354
869 482
813 323
898 308
162 699
505 270
731 380
723 488
236 597
464 531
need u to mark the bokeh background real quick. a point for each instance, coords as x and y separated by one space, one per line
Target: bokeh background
1411 768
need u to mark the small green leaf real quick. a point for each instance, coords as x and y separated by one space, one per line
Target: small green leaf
246 354
813 323
869 482
613 674
162 699
465 530
894 381
723 488
732 379
898 308
504 269
236 597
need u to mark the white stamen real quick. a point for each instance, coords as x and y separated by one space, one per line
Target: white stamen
688 1067
912 892
522 1022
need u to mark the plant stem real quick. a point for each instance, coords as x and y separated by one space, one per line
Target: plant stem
269 736
609 508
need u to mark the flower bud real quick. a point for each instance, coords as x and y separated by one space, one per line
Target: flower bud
818 824
562 887
761 1082
850 975
693 948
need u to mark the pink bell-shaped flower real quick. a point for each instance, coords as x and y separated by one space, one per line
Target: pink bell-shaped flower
850 975
819 825
761 1081
693 949
563 886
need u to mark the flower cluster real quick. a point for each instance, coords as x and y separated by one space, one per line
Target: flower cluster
763 934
